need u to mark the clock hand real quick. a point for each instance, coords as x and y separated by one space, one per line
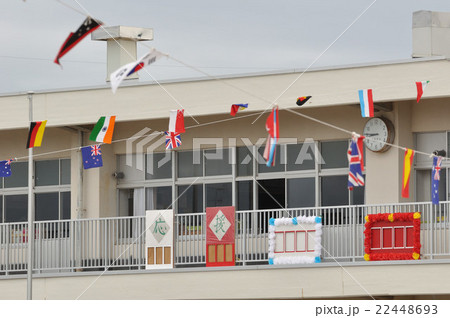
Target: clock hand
370 135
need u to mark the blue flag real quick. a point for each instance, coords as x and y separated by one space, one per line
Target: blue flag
92 157
5 168
435 177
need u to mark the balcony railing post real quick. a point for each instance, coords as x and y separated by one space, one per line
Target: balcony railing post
353 231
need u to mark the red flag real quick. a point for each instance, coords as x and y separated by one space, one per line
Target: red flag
89 25
407 164
420 87
176 121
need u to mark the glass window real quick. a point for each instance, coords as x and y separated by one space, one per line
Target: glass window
301 193
126 198
65 171
218 194
423 185
47 206
159 166
279 166
300 157
245 195
217 162
334 154
65 205
190 198
19 175
428 143
47 172
244 162
334 190
159 198
132 167
16 208
357 195
190 165
1 209
271 194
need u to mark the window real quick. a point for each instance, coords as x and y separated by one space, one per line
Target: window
271 194
159 198
190 164
159 166
217 162
19 175
334 154
244 195
52 191
301 192
218 194
244 162
279 163
334 190
16 208
300 157
190 198
297 180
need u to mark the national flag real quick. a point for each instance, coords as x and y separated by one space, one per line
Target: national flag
5 168
355 157
420 88
435 177
92 156
272 126
173 140
89 25
176 121
407 164
103 130
120 74
236 107
36 133
302 100
366 102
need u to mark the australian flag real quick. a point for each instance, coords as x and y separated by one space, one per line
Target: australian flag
356 162
173 140
92 157
5 168
435 177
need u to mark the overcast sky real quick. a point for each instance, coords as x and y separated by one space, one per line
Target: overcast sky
226 37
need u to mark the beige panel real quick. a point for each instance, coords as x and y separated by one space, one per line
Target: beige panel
334 86
159 255
211 253
150 255
220 253
263 282
167 255
228 253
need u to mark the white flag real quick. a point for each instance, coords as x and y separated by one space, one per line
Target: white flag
118 76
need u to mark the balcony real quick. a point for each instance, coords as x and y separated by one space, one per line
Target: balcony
117 244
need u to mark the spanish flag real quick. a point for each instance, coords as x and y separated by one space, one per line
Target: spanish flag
36 133
407 164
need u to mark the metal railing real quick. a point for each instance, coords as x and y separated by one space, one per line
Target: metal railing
119 243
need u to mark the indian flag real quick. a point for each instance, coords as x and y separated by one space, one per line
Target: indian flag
420 88
103 130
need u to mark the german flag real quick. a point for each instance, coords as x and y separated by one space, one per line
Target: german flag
302 100
36 133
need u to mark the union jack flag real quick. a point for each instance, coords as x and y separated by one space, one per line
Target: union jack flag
8 162
95 150
173 140
356 162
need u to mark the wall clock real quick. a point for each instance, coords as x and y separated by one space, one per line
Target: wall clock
380 133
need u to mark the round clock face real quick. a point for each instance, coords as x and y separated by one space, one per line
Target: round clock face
379 132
